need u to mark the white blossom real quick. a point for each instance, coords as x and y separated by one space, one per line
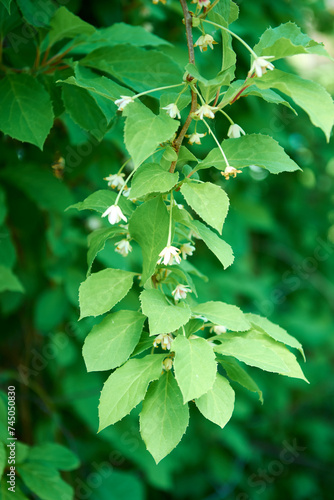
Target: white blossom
123 247
230 172
202 3
180 292
219 329
123 101
114 214
204 41
260 65
168 254
172 110
205 110
235 131
167 364
165 339
115 181
186 249
195 138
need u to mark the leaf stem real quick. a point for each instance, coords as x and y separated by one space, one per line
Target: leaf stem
159 88
233 34
217 142
169 241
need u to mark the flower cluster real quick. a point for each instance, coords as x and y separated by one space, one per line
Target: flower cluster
165 340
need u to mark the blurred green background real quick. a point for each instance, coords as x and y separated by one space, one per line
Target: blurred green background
282 231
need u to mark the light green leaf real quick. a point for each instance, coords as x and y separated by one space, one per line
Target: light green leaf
65 24
219 247
145 342
162 316
26 110
144 131
287 40
102 290
149 227
223 314
268 95
209 201
224 12
111 342
97 240
101 200
256 348
238 374
217 404
310 96
185 156
164 418
275 331
45 481
253 149
152 178
8 281
5 494
126 387
195 366
54 455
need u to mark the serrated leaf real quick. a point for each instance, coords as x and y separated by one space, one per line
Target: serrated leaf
97 240
102 290
253 149
238 374
101 200
54 455
209 201
26 110
111 342
8 281
256 348
144 131
126 387
310 96
162 316
164 418
45 481
149 227
223 314
217 404
152 178
195 366
65 24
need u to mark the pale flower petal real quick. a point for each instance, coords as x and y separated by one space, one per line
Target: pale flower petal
172 110
168 254
235 131
180 292
230 172
114 214
205 41
260 65
123 101
205 110
123 247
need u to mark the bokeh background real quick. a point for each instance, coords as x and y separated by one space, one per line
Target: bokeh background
282 231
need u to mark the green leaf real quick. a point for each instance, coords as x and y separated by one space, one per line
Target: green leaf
6 4
217 404
164 418
162 316
310 96
6 494
223 314
8 281
54 455
45 481
287 40
195 366
126 387
35 14
101 200
65 24
238 374
102 290
3 459
145 342
253 149
111 342
208 200
129 64
256 348
97 240
26 110
149 227
268 95
3 206
275 331
151 178
219 247
144 131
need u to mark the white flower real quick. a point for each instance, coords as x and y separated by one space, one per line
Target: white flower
168 254
165 339
114 214
115 181
230 172
186 249
202 3
219 329
205 110
123 247
172 110
126 193
167 364
260 65
195 138
123 101
235 131
204 41
180 292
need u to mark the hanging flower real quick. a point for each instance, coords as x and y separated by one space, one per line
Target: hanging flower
186 249
115 181
219 329
114 214
260 65
168 254
172 110
205 110
235 131
202 3
123 247
123 101
167 364
230 172
195 138
165 339
205 41
180 292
